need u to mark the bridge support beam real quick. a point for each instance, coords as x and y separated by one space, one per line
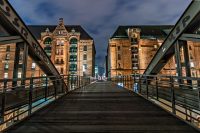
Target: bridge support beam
178 61
25 60
186 61
16 64
19 47
179 67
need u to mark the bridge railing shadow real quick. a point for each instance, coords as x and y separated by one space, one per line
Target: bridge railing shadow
20 98
179 95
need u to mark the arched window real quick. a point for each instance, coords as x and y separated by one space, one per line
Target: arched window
47 48
47 41
73 41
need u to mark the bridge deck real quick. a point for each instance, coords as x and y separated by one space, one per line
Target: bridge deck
102 107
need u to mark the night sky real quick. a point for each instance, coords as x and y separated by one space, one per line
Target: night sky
100 18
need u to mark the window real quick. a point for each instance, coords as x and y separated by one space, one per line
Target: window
119 57
134 40
192 64
118 48
20 57
8 48
57 61
6 66
62 61
61 70
73 67
7 56
33 65
84 57
19 75
57 51
47 41
61 52
73 49
5 75
62 43
73 41
119 65
84 67
85 48
73 58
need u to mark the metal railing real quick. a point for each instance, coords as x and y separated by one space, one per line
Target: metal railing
19 98
179 95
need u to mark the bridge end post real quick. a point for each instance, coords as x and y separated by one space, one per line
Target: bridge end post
30 97
3 106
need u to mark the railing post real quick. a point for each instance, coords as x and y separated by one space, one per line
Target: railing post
46 88
55 87
62 83
77 82
147 87
198 85
172 95
3 106
140 85
30 96
157 97
134 81
68 82
71 82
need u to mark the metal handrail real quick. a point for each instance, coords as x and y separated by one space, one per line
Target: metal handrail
181 94
27 96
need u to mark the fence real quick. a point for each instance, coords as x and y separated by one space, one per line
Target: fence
19 98
180 95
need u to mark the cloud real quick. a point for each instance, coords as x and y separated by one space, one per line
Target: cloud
101 17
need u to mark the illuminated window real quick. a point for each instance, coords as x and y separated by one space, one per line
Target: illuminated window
191 64
6 66
84 67
33 65
5 75
57 51
7 56
73 58
73 67
19 75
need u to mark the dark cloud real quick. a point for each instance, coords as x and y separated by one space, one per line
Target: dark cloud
101 17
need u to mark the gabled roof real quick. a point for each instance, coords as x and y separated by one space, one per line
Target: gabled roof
156 31
37 29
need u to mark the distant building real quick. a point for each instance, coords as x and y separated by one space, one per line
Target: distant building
96 71
131 49
70 48
99 72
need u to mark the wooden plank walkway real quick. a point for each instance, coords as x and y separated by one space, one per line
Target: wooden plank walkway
102 107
